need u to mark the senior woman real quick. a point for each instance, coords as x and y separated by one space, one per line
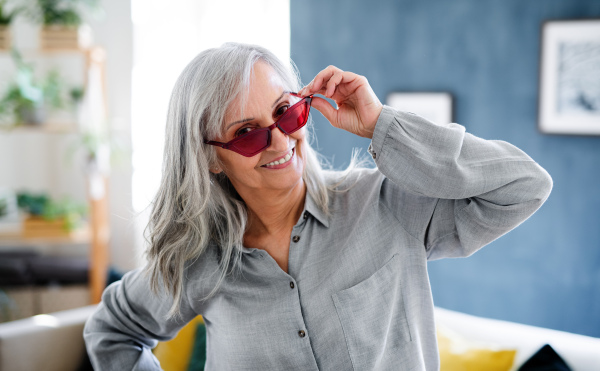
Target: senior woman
292 267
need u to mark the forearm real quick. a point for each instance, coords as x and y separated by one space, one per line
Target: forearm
484 188
128 324
446 162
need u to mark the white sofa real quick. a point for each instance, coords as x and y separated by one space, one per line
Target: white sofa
581 353
54 342
49 342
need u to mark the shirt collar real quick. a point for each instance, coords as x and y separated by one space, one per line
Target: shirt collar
311 206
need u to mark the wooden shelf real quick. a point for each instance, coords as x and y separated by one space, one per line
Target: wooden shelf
97 234
50 128
16 239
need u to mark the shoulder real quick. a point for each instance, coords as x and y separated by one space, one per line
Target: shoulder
361 187
354 189
352 178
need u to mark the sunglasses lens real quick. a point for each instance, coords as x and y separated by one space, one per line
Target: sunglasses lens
258 140
295 117
252 143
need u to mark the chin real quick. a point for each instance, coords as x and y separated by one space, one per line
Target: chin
290 177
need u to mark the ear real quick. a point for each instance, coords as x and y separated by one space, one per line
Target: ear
215 170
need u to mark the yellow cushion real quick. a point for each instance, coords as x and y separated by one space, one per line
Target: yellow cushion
174 355
457 354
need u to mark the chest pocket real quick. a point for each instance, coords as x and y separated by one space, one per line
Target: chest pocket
374 321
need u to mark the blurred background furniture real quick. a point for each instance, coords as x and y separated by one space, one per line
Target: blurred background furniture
581 353
41 255
32 283
54 342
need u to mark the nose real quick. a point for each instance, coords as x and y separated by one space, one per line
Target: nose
279 141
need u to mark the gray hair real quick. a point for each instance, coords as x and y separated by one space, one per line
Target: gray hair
194 206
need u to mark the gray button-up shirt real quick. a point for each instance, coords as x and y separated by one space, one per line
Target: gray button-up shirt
357 294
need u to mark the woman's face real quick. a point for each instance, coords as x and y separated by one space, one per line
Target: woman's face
268 99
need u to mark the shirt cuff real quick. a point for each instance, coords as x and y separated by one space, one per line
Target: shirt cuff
382 127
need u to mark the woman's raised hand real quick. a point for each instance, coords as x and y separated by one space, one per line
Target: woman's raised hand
358 106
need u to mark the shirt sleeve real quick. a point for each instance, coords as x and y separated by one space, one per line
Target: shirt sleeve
475 190
129 322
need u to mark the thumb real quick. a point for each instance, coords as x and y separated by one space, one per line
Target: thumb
325 108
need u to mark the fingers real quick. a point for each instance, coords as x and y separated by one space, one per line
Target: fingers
329 80
315 85
326 109
332 84
321 81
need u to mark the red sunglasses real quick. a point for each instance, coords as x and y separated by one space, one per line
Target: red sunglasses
258 140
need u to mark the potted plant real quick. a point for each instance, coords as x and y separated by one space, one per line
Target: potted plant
25 100
47 217
62 23
6 17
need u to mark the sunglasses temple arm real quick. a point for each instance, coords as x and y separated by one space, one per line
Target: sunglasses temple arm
218 144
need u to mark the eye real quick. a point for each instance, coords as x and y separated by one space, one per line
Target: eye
281 110
243 130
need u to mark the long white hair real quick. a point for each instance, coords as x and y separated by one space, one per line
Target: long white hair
194 206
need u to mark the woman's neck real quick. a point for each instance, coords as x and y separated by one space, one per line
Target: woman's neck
272 213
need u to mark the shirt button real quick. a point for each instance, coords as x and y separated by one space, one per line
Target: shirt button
301 333
292 285
296 238
306 215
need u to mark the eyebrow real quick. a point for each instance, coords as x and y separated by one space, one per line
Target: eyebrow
252 118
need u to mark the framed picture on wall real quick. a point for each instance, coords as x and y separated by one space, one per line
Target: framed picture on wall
434 106
569 97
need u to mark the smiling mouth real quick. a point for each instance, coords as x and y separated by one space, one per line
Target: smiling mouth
282 160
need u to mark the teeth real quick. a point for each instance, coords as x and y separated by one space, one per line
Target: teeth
281 161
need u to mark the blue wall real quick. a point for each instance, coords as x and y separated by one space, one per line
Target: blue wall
486 53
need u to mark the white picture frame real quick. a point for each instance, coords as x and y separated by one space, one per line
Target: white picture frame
434 106
569 95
